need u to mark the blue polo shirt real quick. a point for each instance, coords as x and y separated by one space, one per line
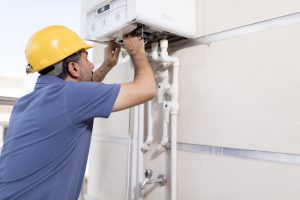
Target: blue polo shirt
46 147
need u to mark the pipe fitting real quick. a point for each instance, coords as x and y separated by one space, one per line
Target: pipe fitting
154 52
164 45
145 147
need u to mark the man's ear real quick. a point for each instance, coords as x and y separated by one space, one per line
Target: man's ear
74 69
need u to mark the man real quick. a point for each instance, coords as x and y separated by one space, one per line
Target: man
46 147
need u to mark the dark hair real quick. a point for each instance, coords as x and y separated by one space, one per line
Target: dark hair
75 57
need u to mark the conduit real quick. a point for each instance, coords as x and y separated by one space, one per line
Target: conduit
140 153
149 140
134 153
164 144
174 111
174 105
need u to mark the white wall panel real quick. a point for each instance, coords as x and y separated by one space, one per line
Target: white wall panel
204 177
243 92
108 170
215 15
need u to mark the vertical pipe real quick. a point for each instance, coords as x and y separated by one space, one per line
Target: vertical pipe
140 153
134 147
174 111
174 156
164 143
149 123
149 140
174 114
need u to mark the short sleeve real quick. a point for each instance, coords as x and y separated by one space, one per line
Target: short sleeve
86 100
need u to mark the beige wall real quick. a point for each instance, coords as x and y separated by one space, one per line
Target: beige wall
215 15
107 169
241 93
212 177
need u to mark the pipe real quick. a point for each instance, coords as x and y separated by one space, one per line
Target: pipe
174 107
173 157
174 113
154 52
164 54
140 176
174 92
164 144
149 140
163 86
134 156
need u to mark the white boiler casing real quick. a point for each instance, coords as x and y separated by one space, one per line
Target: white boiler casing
104 20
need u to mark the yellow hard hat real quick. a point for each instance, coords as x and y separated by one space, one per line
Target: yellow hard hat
51 45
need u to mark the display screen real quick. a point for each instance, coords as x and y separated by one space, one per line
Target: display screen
103 8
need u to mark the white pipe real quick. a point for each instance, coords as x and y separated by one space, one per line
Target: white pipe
164 144
134 157
174 92
163 86
149 140
154 52
130 130
128 169
174 113
140 153
164 53
174 156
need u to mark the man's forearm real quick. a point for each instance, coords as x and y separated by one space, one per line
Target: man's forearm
141 89
143 71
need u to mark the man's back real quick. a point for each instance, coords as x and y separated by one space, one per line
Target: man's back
45 151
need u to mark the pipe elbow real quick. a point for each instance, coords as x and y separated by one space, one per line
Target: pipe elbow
169 59
175 61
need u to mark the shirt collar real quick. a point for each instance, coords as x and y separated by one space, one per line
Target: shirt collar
45 80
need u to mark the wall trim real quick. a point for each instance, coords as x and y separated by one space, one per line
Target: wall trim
269 156
7 100
238 31
111 139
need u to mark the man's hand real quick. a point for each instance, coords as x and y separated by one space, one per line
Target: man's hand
111 54
134 45
143 87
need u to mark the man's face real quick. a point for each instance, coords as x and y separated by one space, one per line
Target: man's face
86 68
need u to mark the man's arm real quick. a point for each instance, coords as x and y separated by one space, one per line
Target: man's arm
111 55
143 87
